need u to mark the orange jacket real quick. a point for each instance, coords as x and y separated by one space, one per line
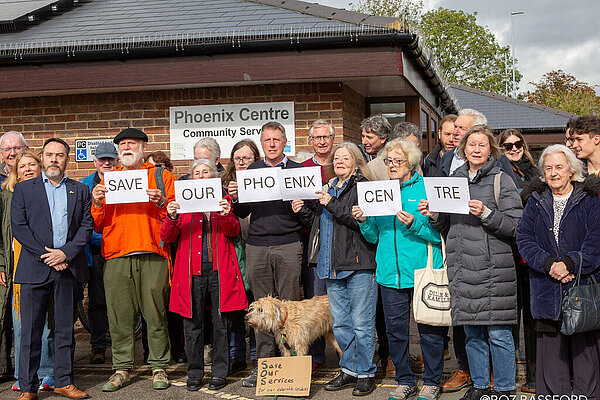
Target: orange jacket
132 227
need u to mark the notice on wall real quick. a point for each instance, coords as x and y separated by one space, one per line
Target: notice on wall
379 197
198 195
284 376
126 186
448 195
260 184
228 124
85 149
300 183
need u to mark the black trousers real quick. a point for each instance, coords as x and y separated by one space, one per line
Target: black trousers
194 327
460 350
564 359
97 314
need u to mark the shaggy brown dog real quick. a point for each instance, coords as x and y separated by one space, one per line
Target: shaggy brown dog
300 323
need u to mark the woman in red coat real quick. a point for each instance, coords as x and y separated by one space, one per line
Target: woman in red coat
205 263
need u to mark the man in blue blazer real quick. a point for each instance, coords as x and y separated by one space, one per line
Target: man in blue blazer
51 220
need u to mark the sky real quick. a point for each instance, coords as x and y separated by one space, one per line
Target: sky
550 35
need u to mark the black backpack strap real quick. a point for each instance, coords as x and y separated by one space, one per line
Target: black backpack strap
158 177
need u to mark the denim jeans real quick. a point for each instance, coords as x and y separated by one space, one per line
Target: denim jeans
495 339
352 301
396 308
47 356
237 341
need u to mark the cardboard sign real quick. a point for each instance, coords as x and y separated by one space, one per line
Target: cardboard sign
300 183
126 186
448 195
260 184
379 197
284 376
198 195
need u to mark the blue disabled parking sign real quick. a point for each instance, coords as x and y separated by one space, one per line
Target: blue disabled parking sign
86 148
81 155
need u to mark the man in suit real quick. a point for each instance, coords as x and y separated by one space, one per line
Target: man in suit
51 220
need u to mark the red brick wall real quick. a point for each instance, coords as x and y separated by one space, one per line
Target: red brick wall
104 114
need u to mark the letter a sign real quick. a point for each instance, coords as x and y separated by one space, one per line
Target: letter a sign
126 186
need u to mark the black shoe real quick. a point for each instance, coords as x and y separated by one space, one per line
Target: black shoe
194 385
250 380
340 381
236 366
476 394
217 383
181 359
364 386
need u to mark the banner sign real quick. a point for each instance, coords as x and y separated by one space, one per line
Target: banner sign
379 197
284 376
228 124
126 186
260 184
448 195
198 195
300 183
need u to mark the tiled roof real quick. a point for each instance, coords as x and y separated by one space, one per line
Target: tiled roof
504 112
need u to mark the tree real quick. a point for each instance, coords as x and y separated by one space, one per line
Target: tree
465 52
561 90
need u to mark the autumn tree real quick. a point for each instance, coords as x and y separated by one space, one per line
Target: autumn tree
561 90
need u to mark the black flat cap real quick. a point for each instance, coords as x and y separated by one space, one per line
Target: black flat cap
131 133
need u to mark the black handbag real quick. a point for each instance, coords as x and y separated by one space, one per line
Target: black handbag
581 306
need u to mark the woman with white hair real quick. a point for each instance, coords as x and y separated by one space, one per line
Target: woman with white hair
402 247
559 237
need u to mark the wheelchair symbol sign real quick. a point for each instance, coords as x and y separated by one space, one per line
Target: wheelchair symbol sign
81 155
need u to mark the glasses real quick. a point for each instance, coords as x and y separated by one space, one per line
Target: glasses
15 149
396 162
509 146
569 140
242 160
321 138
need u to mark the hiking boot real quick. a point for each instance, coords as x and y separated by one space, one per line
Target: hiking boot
458 380
98 356
364 386
403 392
118 380
429 393
250 380
477 394
159 379
340 382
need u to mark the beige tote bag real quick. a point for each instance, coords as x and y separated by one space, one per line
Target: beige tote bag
431 297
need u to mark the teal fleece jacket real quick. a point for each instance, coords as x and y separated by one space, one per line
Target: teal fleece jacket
401 250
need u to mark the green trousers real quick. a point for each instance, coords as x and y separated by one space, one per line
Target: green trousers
133 284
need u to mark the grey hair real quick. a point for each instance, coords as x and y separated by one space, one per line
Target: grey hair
211 144
377 124
205 161
478 117
19 134
402 130
318 123
575 165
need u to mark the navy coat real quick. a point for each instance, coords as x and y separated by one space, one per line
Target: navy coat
579 236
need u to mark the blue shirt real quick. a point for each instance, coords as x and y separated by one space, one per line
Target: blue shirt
324 269
57 200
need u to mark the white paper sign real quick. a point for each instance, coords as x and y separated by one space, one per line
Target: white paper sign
379 197
260 184
448 195
300 183
126 186
198 195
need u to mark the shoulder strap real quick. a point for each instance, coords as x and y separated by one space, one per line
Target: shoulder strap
158 177
497 187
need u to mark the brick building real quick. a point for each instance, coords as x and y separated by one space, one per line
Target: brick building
85 69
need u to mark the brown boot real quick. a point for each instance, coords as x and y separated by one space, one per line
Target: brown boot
71 392
27 396
416 364
457 381
390 369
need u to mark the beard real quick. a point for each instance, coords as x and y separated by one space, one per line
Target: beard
55 173
130 160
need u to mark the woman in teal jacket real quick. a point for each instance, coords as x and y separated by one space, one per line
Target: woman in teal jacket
402 242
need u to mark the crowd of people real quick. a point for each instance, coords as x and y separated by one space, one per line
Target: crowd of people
531 229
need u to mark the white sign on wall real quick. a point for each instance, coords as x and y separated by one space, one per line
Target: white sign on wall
228 124
379 197
198 195
85 149
126 186
260 184
448 195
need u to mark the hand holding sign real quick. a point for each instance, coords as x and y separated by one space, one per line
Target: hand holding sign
324 197
476 207
297 205
424 209
357 213
406 218
225 206
379 197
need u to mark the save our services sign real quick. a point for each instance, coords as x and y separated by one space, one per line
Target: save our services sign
228 124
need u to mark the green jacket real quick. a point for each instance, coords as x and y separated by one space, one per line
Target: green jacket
401 250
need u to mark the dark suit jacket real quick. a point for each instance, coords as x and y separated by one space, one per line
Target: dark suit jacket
32 227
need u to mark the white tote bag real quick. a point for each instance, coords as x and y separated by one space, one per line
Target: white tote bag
431 297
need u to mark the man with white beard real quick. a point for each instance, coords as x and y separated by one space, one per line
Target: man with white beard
136 270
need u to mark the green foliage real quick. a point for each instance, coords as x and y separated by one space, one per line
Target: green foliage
558 89
391 8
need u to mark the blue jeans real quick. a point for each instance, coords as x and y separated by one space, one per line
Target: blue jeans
352 301
237 341
498 340
314 286
396 309
47 356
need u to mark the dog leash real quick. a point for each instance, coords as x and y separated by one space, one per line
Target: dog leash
283 336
